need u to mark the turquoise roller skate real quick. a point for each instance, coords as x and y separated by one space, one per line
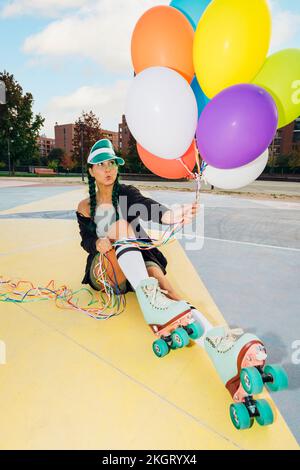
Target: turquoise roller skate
171 321
240 359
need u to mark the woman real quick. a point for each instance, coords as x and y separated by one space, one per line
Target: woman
111 214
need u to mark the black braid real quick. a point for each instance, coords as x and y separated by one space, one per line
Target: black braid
115 196
93 199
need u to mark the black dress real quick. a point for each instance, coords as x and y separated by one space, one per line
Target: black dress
132 206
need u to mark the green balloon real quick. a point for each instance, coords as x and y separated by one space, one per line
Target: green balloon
280 76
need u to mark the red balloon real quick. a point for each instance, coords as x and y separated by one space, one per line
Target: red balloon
171 169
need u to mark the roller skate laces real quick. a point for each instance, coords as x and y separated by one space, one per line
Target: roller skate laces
225 342
157 296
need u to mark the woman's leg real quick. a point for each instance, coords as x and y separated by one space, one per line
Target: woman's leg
113 273
129 256
109 262
164 284
120 229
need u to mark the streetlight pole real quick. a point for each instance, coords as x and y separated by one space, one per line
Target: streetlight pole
2 92
8 154
9 141
81 148
4 102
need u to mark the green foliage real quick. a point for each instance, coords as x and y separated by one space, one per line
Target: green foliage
57 154
282 161
288 162
87 131
56 157
133 163
18 125
294 159
53 164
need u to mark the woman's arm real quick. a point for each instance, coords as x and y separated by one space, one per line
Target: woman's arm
161 214
87 231
150 209
183 214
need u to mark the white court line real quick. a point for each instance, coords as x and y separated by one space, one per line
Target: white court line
190 236
260 245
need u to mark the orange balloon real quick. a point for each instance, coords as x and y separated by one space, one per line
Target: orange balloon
164 37
171 169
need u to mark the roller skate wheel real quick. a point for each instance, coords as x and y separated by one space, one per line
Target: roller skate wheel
266 416
195 330
251 380
180 338
279 376
240 416
160 348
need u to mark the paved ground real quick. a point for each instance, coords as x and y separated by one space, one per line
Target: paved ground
250 263
258 187
272 188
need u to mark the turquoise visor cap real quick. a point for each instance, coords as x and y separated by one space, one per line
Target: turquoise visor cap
103 151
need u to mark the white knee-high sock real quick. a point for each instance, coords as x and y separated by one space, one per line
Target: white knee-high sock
132 263
205 323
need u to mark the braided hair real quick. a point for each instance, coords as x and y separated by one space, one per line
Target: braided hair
93 200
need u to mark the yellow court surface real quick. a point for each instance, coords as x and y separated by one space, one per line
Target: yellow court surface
72 382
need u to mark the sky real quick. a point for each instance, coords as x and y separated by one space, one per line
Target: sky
74 55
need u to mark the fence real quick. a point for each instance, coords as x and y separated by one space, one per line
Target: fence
270 174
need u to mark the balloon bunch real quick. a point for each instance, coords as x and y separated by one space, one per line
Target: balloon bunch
202 71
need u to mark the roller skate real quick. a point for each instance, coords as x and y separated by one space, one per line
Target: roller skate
240 360
171 321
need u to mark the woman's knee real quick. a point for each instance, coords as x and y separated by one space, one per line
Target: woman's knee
120 229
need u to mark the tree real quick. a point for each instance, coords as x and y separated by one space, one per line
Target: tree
56 155
19 127
133 162
282 161
86 132
294 159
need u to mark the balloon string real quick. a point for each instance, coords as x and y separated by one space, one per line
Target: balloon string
110 301
196 176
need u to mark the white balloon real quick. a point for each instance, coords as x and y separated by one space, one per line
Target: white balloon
161 112
236 178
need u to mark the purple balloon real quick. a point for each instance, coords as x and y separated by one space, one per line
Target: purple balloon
237 126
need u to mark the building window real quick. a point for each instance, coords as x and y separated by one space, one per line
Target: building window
296 137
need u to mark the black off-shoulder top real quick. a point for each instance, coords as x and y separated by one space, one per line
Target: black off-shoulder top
133 206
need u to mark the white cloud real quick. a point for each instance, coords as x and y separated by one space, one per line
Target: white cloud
49 8
107 102
101 32
286 27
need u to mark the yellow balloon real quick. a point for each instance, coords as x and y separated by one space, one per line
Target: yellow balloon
231 43
280 76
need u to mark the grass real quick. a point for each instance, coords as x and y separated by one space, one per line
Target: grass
34 175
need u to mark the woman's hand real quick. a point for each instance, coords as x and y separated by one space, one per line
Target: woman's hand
103 245
183 214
